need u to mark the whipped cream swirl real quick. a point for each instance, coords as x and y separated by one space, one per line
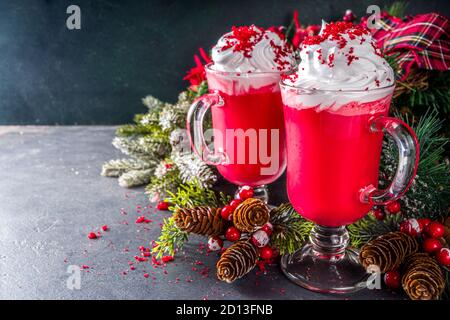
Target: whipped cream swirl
252 49
342 57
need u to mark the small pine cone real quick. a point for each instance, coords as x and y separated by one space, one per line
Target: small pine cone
388 251
447 231
238 260
422 277
250 215
200 220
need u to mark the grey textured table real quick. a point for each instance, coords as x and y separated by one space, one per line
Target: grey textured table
52 196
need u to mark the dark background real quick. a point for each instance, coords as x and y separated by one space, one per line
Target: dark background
125 50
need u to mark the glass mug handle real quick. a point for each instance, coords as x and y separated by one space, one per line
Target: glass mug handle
408 160
194 124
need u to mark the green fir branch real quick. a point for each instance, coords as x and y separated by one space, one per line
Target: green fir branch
135 178
397 9
170 240
369 228
290 230
192 194
115 168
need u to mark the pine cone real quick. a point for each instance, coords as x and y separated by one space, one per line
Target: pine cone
422 277
238 260
447 231
388 251
200 220
251 214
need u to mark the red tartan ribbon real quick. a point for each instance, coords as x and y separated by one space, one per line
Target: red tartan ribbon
421 41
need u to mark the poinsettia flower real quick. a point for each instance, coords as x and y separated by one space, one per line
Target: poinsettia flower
197 74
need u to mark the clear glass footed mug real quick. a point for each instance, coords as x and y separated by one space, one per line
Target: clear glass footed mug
247 126
333 156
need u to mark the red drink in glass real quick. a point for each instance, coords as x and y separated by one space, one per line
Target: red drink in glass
332 156
257 112
247 125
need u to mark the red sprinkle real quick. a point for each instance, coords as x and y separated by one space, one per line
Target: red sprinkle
92 235
142 219
105 228
146 275
166 259
243 39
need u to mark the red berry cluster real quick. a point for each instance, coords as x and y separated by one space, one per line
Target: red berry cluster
431 233
392 207
259 238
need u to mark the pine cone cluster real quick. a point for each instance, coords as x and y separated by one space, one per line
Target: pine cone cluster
250 215
422 277
238 260
388 251
200 220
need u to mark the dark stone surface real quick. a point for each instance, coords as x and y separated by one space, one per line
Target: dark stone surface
126 50
52 196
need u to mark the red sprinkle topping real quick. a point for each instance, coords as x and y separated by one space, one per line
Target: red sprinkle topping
105 228
243 39
330 60
336 31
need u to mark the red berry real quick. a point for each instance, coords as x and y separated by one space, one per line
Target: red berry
105 228
431 245
443 256
392 279
435 230
234 203
266 253
267 228
424 222
260 238
232 234
92 235
246 192
393 207
349 16
227 213
411 227
379 214
163 206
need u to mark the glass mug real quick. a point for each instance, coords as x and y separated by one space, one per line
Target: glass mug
333 156
248 128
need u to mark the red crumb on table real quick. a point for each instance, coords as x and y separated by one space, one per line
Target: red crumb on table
166 259
142 219
92 235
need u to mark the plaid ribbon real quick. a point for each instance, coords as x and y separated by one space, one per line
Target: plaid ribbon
421 41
